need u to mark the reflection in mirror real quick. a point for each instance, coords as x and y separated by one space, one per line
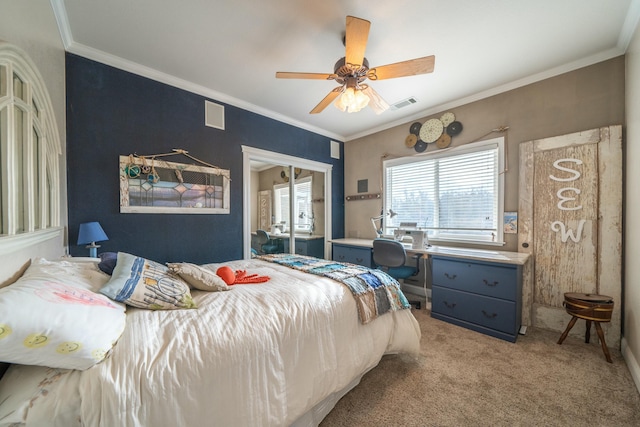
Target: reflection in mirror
280 215
301 228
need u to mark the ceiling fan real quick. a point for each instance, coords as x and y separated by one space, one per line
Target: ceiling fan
353 69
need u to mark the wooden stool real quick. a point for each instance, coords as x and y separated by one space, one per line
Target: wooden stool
591 307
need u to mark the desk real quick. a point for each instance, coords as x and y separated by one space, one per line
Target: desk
473 288
306 244
359 251
503 257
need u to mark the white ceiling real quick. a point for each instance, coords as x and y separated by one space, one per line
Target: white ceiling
230 50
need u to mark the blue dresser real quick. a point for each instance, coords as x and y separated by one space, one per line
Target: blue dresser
353 254
483 296
307 246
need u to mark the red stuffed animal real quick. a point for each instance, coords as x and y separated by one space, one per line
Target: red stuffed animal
231 277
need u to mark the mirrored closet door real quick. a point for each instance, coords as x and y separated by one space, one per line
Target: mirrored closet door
286 204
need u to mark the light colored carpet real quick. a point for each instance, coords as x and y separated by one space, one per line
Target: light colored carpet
463 378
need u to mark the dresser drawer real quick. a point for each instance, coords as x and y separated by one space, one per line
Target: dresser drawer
353 255
489 312
301 248
492 280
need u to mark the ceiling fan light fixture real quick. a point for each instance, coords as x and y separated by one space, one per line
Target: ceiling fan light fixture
352 70
376 103
352 100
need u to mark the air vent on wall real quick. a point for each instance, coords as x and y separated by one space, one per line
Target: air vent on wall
404 103
214 115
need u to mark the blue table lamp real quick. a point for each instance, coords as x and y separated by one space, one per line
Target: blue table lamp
91 232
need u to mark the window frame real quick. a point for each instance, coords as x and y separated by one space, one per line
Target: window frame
440 235
307 180
35 158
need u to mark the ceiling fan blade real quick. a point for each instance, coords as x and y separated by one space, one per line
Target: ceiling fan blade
411 67
376 103
327 100
315 76
355 40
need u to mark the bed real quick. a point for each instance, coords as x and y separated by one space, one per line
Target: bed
277 353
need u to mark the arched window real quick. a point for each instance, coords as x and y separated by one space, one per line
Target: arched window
29 148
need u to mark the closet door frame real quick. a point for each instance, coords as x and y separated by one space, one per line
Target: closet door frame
252 153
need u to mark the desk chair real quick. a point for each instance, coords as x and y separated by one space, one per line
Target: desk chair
267 246
390 257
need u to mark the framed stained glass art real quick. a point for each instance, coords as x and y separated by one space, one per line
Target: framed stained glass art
149 185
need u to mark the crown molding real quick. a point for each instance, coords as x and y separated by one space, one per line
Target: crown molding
630 25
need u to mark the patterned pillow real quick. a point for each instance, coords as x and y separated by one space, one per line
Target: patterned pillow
198 277
143 283
51 316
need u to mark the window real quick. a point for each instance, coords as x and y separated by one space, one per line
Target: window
303 213
456 195
29 148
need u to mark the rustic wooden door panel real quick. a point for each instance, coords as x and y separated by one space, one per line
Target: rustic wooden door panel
565 211
570 219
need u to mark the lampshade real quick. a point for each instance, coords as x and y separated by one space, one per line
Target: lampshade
376 103
91 232
352 100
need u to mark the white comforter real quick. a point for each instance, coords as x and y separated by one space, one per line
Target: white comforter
257 355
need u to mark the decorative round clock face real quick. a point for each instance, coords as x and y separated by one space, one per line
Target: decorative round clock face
454 128
447 118
431 130
444 140
415 128
420 146
410 140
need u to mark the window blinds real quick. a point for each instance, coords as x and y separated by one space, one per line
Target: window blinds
453 196
302 202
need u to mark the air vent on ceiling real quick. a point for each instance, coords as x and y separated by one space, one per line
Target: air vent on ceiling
404 103
213 115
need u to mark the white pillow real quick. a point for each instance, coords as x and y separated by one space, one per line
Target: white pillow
41 396
52 316
80 272
198 277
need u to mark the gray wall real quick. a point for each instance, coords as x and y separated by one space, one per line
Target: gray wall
583 99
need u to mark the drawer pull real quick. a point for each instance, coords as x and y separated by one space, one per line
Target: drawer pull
489 316
450 277
359 260
492 284
449 305
341 257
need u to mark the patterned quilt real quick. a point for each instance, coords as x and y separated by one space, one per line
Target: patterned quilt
375 291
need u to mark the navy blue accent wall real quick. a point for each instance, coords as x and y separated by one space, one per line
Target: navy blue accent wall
111 112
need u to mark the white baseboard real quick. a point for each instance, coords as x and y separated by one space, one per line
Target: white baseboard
632 362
